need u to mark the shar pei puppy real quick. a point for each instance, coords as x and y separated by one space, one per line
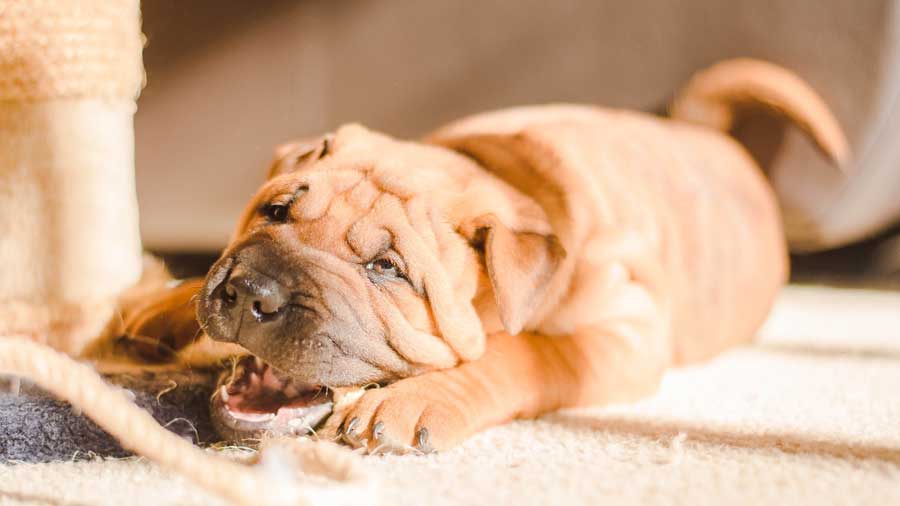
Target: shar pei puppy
509 264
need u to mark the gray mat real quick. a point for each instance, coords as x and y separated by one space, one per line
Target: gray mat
35 427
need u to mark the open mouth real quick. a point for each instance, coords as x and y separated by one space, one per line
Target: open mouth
253 399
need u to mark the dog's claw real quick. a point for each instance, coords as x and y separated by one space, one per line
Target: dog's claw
349 434
378 431
422 443
351 425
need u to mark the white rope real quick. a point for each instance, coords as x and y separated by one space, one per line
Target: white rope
273 481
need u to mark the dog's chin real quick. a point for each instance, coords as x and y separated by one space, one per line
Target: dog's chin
254 400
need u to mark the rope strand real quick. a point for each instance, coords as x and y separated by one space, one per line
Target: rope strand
273 481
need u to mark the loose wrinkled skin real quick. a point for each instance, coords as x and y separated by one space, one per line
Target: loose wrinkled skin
513 263
346 324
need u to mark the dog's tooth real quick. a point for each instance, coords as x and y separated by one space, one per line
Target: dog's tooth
253 417
298 425
223 393
258 362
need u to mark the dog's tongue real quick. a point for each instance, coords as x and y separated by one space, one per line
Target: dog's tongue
255 400
258 388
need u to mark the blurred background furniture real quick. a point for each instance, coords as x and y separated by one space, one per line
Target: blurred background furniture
229 79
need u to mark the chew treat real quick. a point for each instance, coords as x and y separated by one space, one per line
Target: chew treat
69 243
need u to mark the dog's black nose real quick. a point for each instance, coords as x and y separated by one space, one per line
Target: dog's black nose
250 293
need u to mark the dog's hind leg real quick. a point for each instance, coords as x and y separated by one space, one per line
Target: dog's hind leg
155 325
164 323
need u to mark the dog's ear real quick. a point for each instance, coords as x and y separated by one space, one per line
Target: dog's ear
292 156
520 266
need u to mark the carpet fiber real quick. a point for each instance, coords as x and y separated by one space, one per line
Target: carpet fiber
808 415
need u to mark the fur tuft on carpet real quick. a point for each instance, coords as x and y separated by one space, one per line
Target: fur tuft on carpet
810 414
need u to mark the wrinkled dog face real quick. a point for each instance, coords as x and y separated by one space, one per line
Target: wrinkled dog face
345 268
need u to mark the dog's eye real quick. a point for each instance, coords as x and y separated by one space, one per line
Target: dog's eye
385 267
276 212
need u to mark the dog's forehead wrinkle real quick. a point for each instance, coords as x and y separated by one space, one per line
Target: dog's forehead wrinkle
374 230
418 214
363 194
367 236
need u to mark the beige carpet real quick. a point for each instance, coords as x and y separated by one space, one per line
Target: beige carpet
809 415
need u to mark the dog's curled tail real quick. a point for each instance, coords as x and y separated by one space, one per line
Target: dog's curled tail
712 97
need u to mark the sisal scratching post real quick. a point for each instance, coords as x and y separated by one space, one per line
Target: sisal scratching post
69 241
70 71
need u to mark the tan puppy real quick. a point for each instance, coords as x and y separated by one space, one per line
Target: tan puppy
514 263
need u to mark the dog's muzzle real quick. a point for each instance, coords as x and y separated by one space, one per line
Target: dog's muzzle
246 297
252 299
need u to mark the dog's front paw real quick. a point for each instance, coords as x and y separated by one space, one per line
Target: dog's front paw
423 413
